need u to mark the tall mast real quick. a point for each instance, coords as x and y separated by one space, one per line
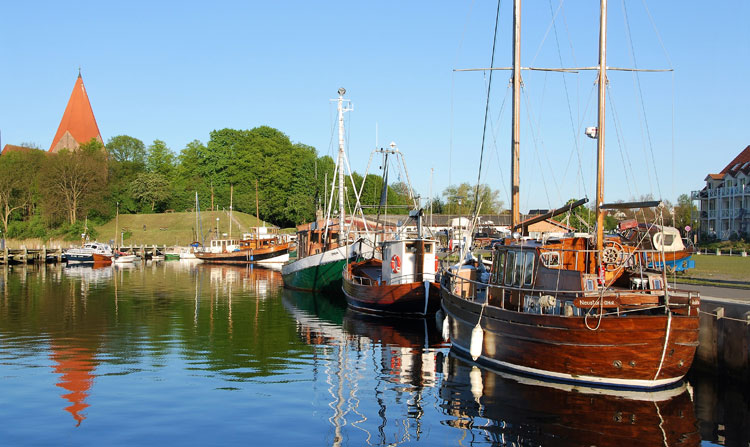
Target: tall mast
516 137
600 128
342 91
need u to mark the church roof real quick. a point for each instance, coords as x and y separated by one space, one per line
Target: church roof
13 148
78 124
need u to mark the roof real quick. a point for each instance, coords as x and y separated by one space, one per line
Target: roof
14 148
78 124
740 163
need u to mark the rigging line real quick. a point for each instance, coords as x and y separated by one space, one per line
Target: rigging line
486 112
494 145
546 33
620 145
536 150
453 83
637 81
333 130
582 181
567 97
658 35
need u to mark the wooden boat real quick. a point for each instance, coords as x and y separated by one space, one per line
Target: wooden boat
405 285
263 245
326 245
90 252
519 410
584 308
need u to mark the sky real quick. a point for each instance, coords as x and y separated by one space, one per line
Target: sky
175 71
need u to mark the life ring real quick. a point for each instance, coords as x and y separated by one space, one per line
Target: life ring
395 264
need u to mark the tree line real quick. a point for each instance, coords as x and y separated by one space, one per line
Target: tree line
53 194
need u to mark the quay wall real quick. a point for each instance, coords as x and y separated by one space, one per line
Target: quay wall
724 338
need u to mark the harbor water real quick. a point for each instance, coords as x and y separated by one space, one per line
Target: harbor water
184 353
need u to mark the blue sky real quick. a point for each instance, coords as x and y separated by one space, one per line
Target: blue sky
178 70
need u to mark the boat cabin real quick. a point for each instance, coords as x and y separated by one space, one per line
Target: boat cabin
409 260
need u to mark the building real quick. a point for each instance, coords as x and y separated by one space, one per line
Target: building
725 200
78 124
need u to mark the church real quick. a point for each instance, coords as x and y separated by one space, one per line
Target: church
77 126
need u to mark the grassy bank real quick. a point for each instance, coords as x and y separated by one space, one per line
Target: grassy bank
726 268
175 228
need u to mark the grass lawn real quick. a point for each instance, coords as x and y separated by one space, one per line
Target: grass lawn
174 228
725 268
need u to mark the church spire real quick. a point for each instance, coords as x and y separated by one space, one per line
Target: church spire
78 124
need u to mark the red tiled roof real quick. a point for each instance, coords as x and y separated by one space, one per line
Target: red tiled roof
78 124
13 148
741 163
716 176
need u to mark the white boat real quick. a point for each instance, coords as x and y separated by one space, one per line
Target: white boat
123 259
90 252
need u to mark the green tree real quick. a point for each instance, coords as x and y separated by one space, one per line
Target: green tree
150 188
74 181
14 186
126 149
460 199
684 212
160 159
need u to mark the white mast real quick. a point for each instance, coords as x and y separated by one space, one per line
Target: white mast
341 111
600 129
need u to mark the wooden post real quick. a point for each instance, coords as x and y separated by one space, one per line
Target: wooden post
25 254
44 254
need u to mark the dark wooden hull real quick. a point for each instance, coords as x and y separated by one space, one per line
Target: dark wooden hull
625 351
245 256
400 299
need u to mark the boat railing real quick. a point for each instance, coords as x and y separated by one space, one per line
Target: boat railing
368 281
478 291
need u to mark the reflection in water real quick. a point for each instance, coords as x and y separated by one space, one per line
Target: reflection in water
407 353
195 351
508 409
76 369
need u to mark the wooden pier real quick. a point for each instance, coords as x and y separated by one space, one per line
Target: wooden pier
43 255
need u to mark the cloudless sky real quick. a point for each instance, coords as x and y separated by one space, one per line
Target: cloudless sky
175 71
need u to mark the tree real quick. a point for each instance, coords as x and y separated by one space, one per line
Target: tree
160 159
460 199
150 188
13 186
74 180
683 213
123 148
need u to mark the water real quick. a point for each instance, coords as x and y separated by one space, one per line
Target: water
179 353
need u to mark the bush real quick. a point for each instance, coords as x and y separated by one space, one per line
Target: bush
72 232
34 228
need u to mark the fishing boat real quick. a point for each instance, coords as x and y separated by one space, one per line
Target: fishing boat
90 252
405 286
583 308
325 246
263 245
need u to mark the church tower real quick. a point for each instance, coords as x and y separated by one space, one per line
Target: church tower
78 124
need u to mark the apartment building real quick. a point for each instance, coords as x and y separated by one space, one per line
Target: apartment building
725 200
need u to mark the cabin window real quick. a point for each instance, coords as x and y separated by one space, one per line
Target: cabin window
518 271
668 239
550 259
528 268
510 262
428 248
497 268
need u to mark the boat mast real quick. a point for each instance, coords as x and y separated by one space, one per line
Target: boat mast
341 92
516 136
600 129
